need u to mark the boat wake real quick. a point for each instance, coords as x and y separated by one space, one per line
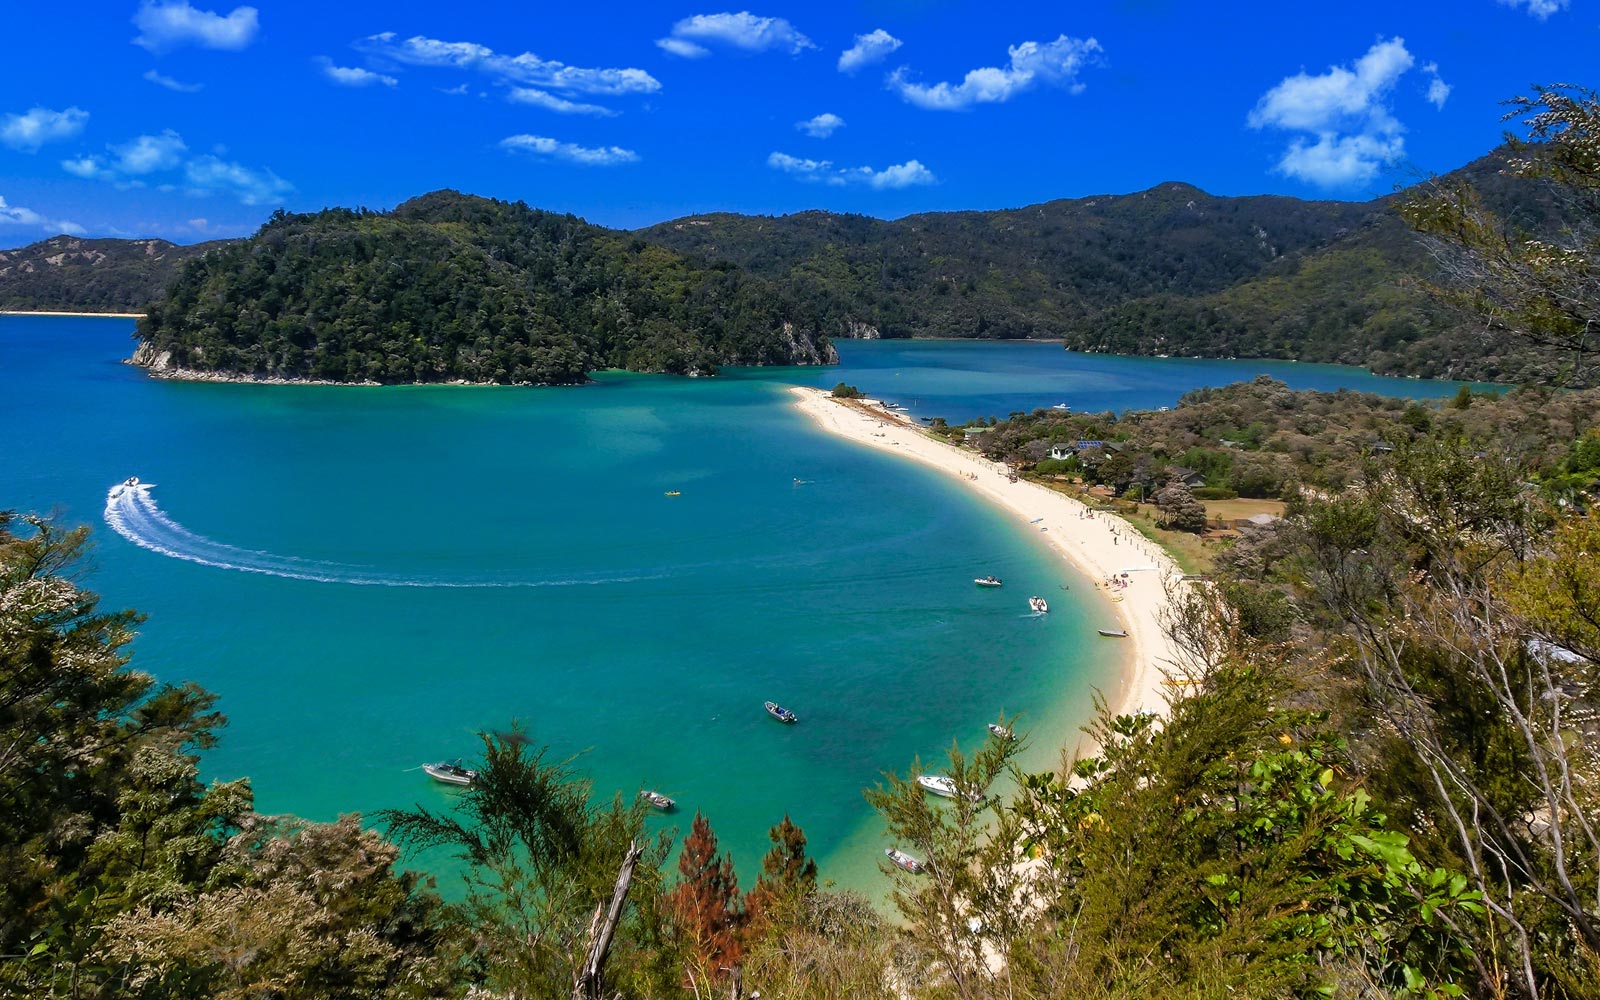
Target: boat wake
132 512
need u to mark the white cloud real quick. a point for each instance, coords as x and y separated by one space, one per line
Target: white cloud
527 68
16 215
168 82
168 24
1540 9
1054 63
691 36
900 175
821 126
589 156
354 76
560 105
1438 90
868 49
459 90
686 49
87 167
148 154
1352 130
38 126
208 175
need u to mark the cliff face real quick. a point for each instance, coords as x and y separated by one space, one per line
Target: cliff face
452 288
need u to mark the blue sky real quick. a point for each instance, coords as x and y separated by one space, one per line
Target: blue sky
194 119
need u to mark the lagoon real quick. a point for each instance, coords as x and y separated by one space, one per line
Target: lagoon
369 577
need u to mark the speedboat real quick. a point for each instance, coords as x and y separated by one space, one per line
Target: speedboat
1038 604
987 581
451 774
1061 406
658 800
1114 633
674 493
780 713
1002 732
904 861
944 786
131 483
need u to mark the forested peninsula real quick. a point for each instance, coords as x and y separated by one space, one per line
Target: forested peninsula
453 288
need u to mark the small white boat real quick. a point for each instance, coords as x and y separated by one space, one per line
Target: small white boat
657 800
1038 604
1114 633
131 483
987 581
451 774
904 861
1002 732
1061 406
780 713
944 786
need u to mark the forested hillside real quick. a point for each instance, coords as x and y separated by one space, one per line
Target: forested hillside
451 287
65 272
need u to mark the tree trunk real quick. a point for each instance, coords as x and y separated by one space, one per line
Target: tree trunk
590 982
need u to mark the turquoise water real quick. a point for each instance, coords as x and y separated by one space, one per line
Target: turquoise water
369 577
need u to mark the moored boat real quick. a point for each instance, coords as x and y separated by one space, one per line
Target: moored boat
657 800
1038 604
780 713
904 861
987 581
944 786
1003 732
451 773
1114 633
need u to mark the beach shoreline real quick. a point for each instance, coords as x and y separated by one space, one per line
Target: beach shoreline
50 312
1098 545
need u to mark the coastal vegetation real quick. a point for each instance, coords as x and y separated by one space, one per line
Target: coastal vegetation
74 274
449 287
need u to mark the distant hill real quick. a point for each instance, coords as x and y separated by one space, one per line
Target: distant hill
451 287
66 272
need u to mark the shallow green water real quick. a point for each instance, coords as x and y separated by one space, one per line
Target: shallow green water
370 577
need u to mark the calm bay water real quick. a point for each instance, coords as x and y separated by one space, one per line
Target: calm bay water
370 577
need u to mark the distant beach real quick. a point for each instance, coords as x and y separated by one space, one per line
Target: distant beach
1100 545
32 312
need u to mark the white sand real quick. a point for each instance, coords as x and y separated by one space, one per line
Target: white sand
1100 545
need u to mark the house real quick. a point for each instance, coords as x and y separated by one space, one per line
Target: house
1063 451
1187 477
974 435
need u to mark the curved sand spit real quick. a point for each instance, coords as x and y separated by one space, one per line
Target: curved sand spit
1098 544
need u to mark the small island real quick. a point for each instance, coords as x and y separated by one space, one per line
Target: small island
453 288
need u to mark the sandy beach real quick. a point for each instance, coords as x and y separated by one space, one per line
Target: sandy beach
1099 545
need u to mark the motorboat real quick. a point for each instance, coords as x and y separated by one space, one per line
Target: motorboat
1114 633
987 581
131 483
1038 604
780 713
657 800
674 493
944 786
450 774
904 861
1062 406
1002 732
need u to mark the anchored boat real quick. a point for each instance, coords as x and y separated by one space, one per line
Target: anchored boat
780 713
987 581
451 773
904 861
1038 604
657 800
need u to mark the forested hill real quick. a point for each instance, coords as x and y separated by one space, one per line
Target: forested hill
450 287
66 272
1171 270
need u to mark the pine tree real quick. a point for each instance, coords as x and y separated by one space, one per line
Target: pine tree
787 876
706 901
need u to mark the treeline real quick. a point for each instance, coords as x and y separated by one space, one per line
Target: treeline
81 275
450 287
1262 439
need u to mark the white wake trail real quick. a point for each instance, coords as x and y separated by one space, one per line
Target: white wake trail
132 512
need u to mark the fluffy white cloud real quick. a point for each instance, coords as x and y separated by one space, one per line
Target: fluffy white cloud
821 126
527 68
37 126
868 49
1056 64
1438 90
560 105
16 215
744 30
161 80
589 156
1352 130
87 167
168 24
355 76
208 175
147 154
1540 9
900 175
